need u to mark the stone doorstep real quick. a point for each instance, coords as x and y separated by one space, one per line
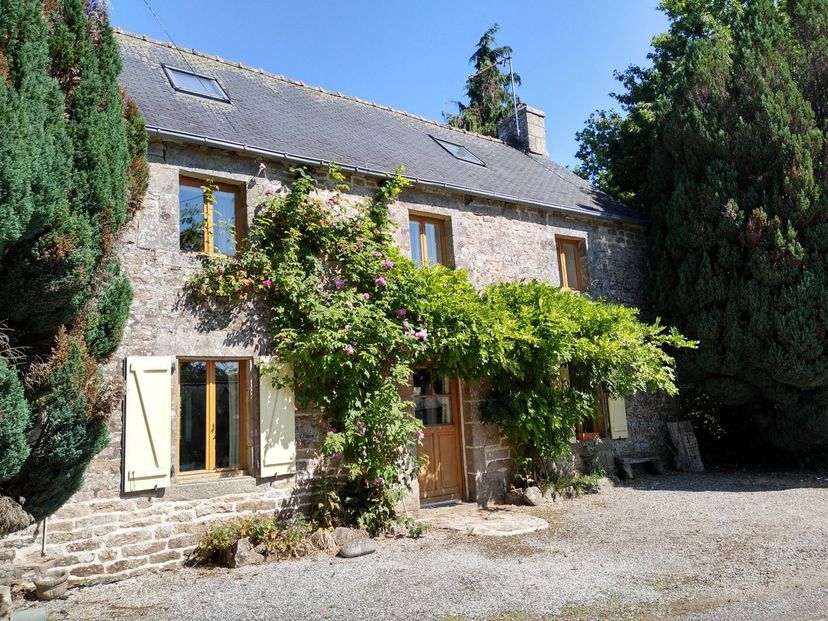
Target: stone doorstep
501 521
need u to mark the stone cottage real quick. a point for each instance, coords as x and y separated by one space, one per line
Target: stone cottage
201 436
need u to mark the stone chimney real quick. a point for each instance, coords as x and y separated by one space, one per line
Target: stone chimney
532 138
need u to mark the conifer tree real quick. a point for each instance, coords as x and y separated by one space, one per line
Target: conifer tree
725 146
72 169
489 88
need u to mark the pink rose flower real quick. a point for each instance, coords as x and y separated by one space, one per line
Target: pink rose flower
421 335
267 282
379 481
349 350
349 304
387 263
402 312
380 281
420 434
366 295
339 283
406 325
376 253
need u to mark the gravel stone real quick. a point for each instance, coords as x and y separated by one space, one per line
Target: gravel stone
692 546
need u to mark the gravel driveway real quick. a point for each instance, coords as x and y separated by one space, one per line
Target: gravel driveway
678 546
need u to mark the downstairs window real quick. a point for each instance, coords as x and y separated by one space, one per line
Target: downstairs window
213 402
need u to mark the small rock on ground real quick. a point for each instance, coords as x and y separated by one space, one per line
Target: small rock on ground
360 547
244 555
532 496
343 535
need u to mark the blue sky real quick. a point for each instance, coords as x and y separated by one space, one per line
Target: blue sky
414 55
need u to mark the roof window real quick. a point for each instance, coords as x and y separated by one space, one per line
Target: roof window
195 84
459 151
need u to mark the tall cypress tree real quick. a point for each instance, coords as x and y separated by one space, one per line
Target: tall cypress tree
35 149
732 167
74 169
489 88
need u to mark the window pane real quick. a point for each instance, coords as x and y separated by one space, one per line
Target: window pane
227 414
197 84
434 242
190 218
224 222
414 237
433 410
422 382
432 399
570 252
459 151
441 385
193 424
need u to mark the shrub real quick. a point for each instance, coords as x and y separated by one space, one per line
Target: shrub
326 505
105 321
553 348
72 409
73 153
15 421
279 538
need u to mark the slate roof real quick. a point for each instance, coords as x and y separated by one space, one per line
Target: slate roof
273 116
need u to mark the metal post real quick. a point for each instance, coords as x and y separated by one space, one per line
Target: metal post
514 97
43 541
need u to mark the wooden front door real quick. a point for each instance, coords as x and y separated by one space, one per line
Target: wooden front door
436 404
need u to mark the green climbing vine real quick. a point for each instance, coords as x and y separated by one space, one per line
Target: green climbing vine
353 317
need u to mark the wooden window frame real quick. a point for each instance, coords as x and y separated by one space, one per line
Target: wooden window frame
576 243
599 421
210 419
440 223
207 213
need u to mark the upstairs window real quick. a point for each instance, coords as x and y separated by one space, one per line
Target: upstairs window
459 151
570 262
209 226
195 84
428 240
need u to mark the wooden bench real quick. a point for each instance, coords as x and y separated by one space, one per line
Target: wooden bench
626 465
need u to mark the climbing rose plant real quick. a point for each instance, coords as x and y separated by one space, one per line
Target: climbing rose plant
353 318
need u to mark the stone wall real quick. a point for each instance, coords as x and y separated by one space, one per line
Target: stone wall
104 533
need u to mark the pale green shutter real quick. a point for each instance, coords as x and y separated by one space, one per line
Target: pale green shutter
618 418
146 435
277 427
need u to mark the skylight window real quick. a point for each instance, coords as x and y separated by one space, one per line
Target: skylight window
459 151
195 84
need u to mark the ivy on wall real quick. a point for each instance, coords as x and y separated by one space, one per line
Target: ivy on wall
353 317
